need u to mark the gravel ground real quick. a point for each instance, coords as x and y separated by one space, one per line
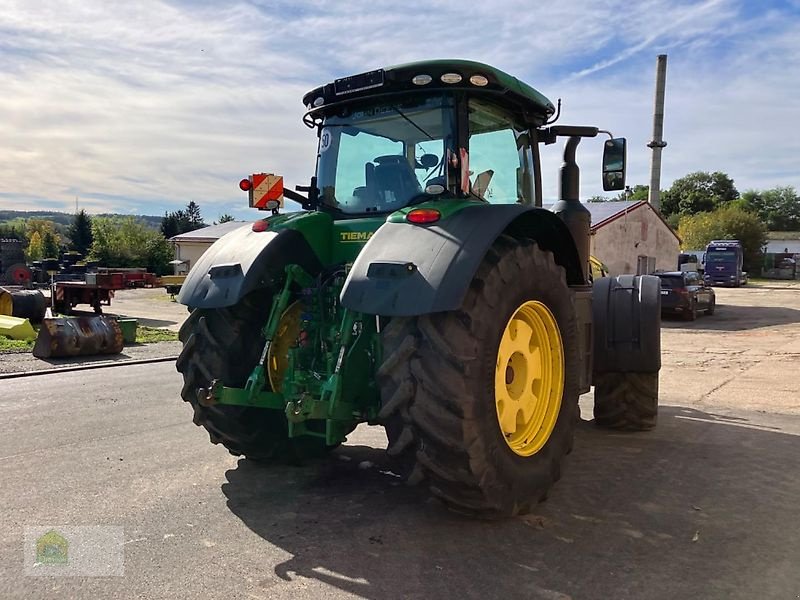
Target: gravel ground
24 362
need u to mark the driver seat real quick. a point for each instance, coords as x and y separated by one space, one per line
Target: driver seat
394 181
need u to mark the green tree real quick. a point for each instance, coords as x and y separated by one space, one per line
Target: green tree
778 207
193 216
35 250
80 232
42 227
226 218
126 242
639 192
726 223
698 192
157 254
181 221
11 232
170 227
50 244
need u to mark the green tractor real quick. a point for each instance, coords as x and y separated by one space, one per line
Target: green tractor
423 287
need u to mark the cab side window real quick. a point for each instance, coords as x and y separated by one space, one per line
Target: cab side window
500 156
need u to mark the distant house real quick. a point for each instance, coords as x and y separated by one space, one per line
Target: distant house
189 246
783 242
632 237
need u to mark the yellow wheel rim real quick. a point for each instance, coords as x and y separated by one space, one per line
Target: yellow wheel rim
285 338
529 378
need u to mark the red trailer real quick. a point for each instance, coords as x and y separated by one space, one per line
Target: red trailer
96 290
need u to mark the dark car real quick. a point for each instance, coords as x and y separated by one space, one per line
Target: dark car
685 294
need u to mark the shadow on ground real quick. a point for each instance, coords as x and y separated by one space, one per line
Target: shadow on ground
141 320
149 322
702 507
88 360
735 318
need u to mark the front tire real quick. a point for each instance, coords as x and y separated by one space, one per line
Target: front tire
514 339
691 314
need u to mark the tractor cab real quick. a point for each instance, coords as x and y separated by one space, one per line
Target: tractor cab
424 131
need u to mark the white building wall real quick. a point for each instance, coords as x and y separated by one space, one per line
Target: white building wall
780 246
190 252
641 232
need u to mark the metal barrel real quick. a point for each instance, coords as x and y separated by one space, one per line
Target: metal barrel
26 304
78 337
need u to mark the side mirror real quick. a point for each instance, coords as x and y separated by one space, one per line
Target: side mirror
614 164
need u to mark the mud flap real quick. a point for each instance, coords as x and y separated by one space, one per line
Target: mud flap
81 336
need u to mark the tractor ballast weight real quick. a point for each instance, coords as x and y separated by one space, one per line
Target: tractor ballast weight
423 288
627 351
627 323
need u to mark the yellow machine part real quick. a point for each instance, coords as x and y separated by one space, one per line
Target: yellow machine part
6 303
172 279
16 328
597 267
285 338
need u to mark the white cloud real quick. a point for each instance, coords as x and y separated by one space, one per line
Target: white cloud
153 104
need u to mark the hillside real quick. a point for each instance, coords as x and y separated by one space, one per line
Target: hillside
64 219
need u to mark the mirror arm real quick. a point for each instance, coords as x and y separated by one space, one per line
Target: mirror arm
309 203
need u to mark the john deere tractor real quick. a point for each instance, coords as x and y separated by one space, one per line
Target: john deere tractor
424 288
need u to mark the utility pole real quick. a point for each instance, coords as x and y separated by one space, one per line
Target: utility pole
657 143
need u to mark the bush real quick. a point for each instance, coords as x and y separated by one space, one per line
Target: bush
126 242
727 223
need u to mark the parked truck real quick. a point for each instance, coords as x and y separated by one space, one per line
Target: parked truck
423 288
723 263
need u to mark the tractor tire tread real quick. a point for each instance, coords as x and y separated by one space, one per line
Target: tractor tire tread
626 401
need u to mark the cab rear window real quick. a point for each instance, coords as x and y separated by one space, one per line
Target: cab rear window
671 282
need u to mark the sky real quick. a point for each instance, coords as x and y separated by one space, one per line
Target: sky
140 107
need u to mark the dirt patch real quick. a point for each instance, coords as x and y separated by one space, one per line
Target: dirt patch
153 307
745 356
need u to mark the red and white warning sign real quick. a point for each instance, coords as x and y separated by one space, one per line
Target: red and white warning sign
267 188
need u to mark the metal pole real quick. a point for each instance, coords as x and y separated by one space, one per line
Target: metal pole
657 143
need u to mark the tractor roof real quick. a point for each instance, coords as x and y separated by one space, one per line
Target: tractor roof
428 75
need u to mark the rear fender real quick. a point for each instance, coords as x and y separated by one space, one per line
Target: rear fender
241 262
408 270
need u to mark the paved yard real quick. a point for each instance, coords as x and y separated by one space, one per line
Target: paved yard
705 506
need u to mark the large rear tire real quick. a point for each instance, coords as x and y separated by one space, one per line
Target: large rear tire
226 344
478 457
398 388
